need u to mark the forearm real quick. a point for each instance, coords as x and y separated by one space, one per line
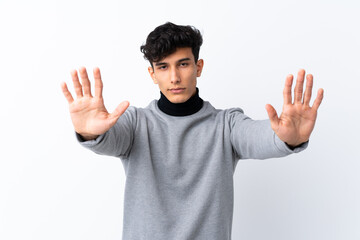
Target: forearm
256 140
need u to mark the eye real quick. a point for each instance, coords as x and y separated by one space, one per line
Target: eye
162 67
184 64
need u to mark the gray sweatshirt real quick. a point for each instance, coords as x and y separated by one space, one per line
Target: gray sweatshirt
179 170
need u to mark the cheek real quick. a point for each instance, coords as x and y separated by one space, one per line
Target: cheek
158 79
191 75
161 84
194 77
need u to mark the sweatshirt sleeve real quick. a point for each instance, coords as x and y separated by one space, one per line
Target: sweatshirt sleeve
255 139
117 141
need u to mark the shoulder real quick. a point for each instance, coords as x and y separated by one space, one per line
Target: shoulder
134 111
231 113
233 116
140 114
229 116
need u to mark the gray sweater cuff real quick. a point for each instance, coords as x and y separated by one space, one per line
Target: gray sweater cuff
89 143
282 146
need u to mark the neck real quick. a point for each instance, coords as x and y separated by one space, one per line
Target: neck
189 107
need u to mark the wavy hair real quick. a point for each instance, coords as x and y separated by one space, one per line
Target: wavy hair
166 38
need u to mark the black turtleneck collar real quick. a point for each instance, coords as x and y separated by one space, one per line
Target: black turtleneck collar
189 107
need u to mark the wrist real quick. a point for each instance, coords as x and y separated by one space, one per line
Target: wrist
87 137
293 146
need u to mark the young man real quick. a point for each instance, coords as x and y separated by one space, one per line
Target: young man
180 153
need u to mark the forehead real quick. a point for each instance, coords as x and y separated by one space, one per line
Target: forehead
179 54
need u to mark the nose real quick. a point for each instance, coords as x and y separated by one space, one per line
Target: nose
174 76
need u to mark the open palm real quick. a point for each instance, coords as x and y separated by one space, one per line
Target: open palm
297 120
88 114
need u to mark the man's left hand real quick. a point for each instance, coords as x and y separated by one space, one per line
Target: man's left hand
297 120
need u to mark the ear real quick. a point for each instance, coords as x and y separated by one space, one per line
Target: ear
199 67
152 74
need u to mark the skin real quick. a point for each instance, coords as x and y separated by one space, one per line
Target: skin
88 113
297 120
176 75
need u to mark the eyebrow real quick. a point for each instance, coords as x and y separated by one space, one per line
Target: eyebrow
184 59
164 63
160 63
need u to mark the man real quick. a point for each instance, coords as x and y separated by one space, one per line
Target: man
180 153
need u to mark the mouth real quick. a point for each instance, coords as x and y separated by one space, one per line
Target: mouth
176 90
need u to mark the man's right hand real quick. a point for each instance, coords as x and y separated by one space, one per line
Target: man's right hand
88 113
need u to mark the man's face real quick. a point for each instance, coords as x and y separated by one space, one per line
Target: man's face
176 75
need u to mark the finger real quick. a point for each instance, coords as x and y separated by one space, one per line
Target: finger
85 81
98 83
308 89
318 100
298 91
120 109
287 89
77 85
274 119
66 93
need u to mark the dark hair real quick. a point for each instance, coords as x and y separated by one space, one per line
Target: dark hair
166 38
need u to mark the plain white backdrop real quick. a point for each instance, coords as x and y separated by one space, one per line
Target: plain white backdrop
52 188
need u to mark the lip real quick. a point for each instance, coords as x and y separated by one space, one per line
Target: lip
176 90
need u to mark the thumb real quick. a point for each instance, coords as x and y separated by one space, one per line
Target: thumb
119 110
274 120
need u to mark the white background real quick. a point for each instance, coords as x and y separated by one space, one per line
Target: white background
52 188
